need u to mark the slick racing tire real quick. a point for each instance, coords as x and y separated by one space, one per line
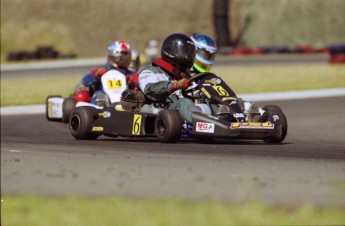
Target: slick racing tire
272 108
80 123
67 107
277 138
168 126
47 108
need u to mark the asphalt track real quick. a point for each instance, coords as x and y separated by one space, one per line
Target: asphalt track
41 157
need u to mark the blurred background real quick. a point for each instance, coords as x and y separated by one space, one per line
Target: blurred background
84 28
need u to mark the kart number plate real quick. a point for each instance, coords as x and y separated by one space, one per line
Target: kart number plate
115 84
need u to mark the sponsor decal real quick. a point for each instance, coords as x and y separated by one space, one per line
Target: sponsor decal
252 125
213 81
114 84
233 102
168 54
211 116
275 118
221 91
97 128
144 76
105 114
203 127
205 92
136 124
228 98
238 115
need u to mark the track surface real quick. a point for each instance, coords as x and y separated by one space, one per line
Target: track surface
41 157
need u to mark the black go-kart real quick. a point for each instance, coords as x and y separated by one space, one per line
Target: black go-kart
224 115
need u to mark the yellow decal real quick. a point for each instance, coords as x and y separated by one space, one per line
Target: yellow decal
252 125
221 91
205 92
210 81
50 109
228 98
136 124
97 128
114 84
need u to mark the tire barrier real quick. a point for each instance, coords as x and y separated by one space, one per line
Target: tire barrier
337 54
245 50
42 52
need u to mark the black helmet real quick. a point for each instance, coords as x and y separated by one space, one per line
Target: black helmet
179 50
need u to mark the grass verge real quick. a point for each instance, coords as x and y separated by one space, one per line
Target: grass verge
38 210
261 78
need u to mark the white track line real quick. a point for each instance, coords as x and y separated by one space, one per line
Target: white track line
39 109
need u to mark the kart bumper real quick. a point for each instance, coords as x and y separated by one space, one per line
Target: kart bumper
210 126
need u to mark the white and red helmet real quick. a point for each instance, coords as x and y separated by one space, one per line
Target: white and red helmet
119 54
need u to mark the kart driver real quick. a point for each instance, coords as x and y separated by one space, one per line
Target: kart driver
206 50
118 58
170 73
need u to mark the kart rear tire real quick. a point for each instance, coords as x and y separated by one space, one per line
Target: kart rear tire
80 122
168 126
272 108
67 107
284 126
47 116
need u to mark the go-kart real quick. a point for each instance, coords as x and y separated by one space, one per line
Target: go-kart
223 115
59 108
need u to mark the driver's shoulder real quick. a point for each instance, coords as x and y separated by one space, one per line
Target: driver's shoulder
151 68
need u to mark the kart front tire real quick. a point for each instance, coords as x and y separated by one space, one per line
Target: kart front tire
278 138
67 107
272 108
80 122
168 126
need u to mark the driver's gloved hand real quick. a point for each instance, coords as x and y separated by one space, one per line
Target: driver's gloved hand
180 84
99 72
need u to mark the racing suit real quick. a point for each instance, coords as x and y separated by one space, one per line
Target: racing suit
156 85
91 82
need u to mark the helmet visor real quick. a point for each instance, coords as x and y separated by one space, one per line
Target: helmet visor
122 61
205 54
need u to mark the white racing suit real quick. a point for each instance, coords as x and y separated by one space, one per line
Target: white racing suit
156 85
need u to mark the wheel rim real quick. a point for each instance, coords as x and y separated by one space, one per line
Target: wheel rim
75 123
161 127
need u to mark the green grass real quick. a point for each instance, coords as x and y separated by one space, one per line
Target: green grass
276 78
251 79
24 91
54 211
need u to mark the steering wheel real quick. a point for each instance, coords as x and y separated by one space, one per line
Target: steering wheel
196 79
188 93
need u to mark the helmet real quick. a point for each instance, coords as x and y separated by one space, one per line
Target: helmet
119 54
82 95
152 43
135 61
206 49
179 50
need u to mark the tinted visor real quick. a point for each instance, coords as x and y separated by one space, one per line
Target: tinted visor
122 61
185 55
205 54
